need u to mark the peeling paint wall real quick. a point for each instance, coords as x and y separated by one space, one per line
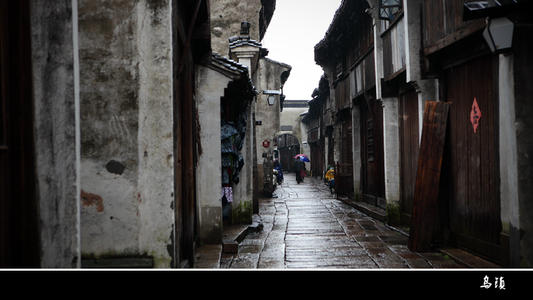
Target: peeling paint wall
109 124
126 125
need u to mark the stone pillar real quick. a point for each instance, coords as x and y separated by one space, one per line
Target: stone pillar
155 133
391 149
510 214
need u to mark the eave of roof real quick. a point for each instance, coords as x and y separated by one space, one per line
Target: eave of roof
232 69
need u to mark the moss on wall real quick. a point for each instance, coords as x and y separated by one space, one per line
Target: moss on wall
393 214
242 213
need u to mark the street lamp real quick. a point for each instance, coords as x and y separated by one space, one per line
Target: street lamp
499 34
271 96
271 100
389 8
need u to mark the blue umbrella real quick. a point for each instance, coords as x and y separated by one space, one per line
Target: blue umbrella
302 157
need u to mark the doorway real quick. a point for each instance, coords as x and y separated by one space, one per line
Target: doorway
372 160
472 155
19 229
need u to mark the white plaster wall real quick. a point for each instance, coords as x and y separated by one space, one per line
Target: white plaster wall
508 146
413 37
356 146
210 87
109 120
291 117
112 226
242 206
268 75
378 56
242 195
156 161
304 145
391 146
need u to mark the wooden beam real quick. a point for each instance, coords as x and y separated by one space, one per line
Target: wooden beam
425 204
454 37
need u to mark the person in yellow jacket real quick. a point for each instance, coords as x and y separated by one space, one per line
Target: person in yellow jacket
330 178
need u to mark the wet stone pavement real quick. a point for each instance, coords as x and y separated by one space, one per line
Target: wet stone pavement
305 227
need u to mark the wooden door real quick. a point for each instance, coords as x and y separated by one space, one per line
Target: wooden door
331 149
344 171
472 155
409 147
316 160
19 234
373 176
289 147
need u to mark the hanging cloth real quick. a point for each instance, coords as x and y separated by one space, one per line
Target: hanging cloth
228 193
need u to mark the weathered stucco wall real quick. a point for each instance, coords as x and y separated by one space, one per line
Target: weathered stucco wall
226 18
290 116
209 168
109 79
268 78
156 136
127 137
391 149
55 124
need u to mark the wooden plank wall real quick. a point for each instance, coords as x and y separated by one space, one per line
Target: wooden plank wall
443 23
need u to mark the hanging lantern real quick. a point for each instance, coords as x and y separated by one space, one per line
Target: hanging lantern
388 9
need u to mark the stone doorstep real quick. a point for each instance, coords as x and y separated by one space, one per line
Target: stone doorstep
235 234
460 256
118 263
208 257
468 259
370 210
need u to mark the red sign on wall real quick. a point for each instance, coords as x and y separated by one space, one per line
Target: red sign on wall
475 115
266 143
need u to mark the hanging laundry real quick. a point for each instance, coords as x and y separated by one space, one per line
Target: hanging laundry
228 193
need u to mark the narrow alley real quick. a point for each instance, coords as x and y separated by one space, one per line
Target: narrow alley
152 134
306 227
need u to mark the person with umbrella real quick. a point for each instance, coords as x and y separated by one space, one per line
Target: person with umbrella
299 166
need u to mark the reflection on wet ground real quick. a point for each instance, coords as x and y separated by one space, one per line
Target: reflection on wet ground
306 227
